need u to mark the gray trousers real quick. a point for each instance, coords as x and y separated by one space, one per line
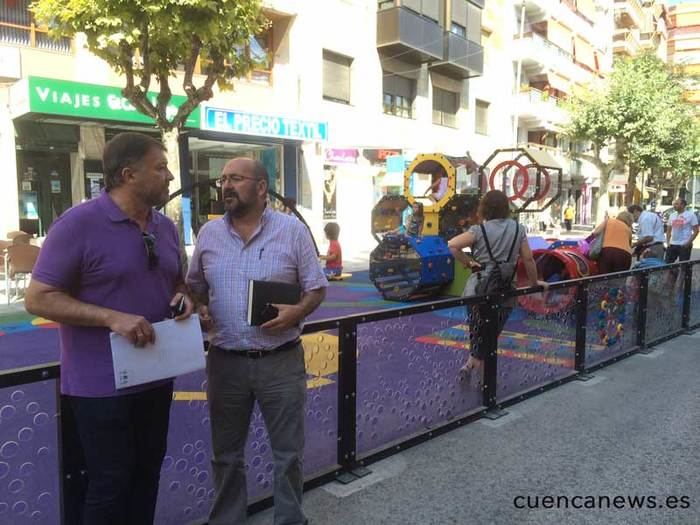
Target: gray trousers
278 383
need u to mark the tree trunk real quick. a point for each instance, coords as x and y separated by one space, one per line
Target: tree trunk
173 208
603 199
631 184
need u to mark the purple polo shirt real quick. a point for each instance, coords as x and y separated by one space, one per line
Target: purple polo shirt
96 254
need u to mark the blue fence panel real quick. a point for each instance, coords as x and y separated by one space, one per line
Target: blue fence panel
29 469
611 322
664 303
408 377
538 343
695 297
186 486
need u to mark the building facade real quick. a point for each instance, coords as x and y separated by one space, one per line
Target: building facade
334 111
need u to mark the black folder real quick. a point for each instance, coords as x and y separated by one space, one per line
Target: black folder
262 294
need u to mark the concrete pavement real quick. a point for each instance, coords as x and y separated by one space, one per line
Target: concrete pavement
630 432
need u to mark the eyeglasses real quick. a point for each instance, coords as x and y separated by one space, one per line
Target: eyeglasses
233 179
149 241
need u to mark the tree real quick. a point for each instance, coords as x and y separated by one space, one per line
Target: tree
158 40
593 122
640 113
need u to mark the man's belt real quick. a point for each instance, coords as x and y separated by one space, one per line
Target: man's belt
258 353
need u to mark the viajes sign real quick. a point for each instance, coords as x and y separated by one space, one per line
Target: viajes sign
92 101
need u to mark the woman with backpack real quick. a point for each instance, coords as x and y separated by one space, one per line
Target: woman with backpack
496 245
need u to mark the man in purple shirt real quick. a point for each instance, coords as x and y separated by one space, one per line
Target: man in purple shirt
113 264
245 362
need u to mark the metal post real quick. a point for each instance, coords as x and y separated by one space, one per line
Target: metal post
642 312
581 324
687 290
72 469
490 342
347 395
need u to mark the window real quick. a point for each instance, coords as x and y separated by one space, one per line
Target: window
18 27
336 77
398 95
429 8
259 49
482 117
445 106
385 4
457 29
473 23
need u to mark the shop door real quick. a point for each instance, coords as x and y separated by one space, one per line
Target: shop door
44 189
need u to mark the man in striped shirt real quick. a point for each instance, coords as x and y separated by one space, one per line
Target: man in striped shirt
246 363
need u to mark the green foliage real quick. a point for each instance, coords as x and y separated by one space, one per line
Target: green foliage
145 39
642 112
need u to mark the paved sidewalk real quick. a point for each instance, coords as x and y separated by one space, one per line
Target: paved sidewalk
631 431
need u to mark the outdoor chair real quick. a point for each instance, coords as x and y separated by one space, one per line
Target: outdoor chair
19 237
19 262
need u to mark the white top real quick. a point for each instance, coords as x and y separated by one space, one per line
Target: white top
442 189
682 225
650 225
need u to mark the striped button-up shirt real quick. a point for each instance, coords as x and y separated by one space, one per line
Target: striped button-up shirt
280 249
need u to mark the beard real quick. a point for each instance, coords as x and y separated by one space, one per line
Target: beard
158 199
236 207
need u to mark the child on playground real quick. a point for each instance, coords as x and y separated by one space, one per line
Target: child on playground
413 222
334 256
414 227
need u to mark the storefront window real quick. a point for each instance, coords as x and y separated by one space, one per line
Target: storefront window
207 161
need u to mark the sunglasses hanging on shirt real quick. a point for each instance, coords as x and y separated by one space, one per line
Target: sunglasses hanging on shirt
149 241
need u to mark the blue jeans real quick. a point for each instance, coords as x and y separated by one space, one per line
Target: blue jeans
124 439
676 251
333 272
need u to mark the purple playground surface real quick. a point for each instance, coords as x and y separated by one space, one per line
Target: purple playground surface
407 383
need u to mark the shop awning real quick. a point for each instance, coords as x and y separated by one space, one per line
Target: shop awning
542 157
586 8
585 53
559 34
559 83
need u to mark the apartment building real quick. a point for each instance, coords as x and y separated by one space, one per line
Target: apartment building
640 26
347 92
684 51
560 46
684 42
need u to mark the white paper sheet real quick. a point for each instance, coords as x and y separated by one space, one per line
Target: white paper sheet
179 349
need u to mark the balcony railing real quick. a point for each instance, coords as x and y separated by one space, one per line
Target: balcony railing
32 36
625 42
630 13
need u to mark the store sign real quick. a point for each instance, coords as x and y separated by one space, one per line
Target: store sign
230 121
379 155
75 99
342 156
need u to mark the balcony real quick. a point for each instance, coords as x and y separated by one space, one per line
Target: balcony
629 14
416 38
537 109
464 58
625 43
539 55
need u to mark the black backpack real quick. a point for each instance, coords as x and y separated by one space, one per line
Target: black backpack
499 277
